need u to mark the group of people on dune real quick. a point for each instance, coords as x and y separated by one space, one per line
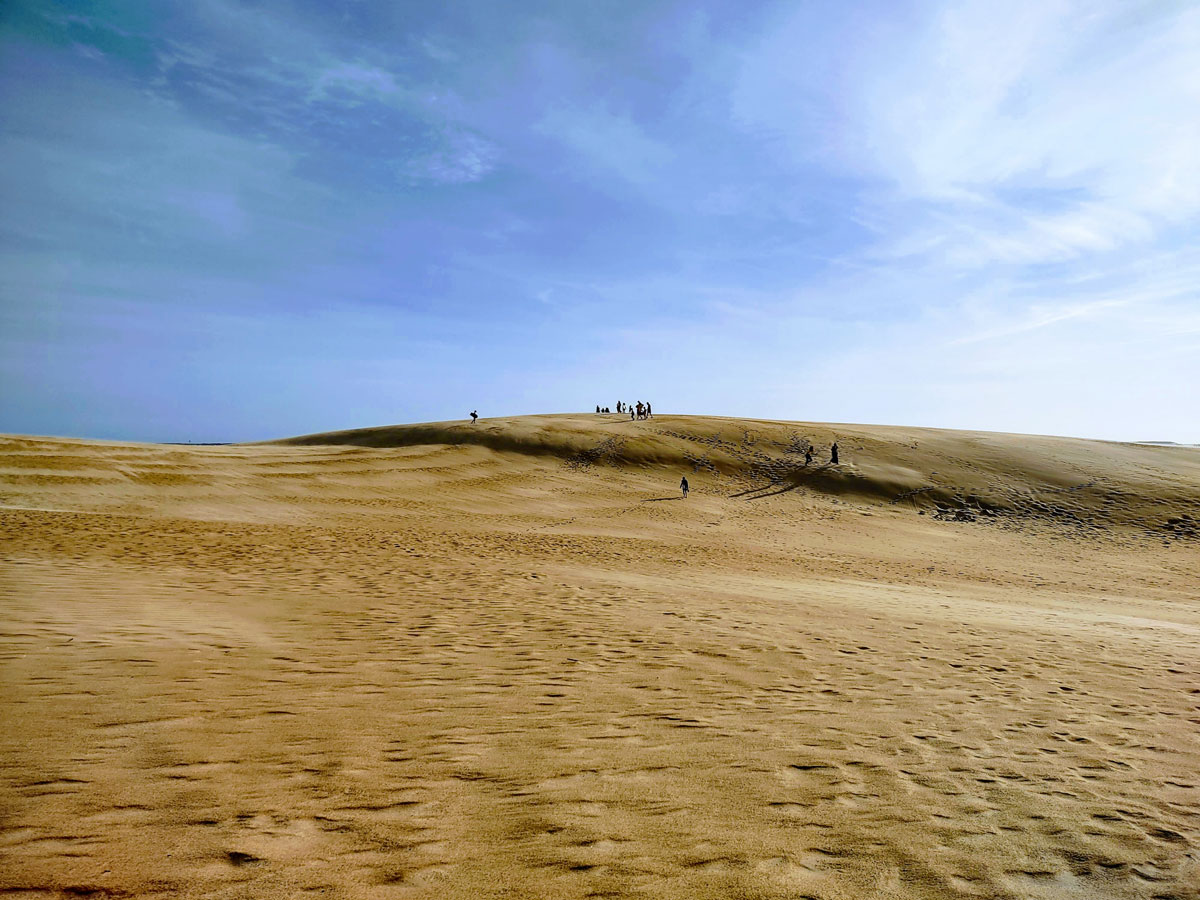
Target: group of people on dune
833 455
639 410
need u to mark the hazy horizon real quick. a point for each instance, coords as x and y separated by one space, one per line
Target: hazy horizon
230 222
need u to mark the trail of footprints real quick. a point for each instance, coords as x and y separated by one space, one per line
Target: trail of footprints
474 734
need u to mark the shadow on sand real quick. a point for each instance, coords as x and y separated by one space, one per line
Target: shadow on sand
789 482
660 499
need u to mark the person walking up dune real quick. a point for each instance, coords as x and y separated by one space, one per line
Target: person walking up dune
683 486
833 454
474 416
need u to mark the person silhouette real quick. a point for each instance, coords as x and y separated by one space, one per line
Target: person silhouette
833 456
474 416
808 457
683 486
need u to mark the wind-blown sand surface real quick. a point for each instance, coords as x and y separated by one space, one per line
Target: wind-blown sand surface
506 660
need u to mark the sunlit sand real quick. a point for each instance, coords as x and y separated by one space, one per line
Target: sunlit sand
508 660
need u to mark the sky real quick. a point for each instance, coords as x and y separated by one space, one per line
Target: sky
226 221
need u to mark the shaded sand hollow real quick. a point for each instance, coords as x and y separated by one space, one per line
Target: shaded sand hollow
506 660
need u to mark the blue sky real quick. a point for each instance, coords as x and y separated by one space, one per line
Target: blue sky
233 221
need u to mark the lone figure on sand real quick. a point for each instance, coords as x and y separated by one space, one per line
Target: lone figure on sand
474 416
833 453
807 457
683 486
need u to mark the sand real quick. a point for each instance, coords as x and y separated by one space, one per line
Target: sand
507 660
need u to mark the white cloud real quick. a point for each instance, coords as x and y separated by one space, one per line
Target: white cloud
1031 132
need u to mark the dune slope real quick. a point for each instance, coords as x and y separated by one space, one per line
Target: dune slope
1093 482
507 660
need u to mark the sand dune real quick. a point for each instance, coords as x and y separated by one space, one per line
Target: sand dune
506 660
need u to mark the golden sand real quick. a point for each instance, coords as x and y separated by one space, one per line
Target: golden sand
507 661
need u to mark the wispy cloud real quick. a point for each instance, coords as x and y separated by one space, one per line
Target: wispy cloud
1086 110
259 71
608 144
356 79
1042 316
461 157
